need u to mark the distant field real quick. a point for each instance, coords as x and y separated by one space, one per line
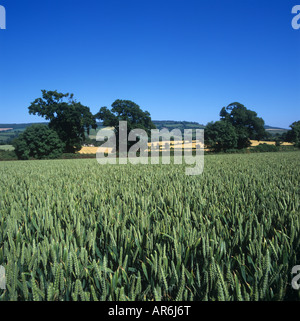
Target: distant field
93 132
7 147
7 134
5 129
256 142
176 145
93 150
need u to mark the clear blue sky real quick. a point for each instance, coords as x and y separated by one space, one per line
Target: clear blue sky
178 59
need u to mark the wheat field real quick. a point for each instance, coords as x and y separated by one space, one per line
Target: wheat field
76 230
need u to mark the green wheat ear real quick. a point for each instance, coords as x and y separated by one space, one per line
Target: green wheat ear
35 294
182 284
50 292
25 287
156 296
93 292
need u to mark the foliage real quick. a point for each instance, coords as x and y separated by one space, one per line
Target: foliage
76 156
220 136
70 119
7 155
126 110
294 134
74 230
246 123
261 148
39 142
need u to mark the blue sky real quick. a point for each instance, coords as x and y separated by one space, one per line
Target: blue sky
178 59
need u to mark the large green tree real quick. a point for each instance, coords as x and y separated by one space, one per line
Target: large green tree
69 118
220 136
246 123
293 135
39 142
125 110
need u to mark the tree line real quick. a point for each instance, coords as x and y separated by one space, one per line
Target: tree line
69 121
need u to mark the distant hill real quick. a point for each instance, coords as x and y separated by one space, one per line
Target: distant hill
172 124
10 131
6 136
158 123
270 127
275 130
19 126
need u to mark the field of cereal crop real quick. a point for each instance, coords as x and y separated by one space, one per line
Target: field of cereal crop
77 230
